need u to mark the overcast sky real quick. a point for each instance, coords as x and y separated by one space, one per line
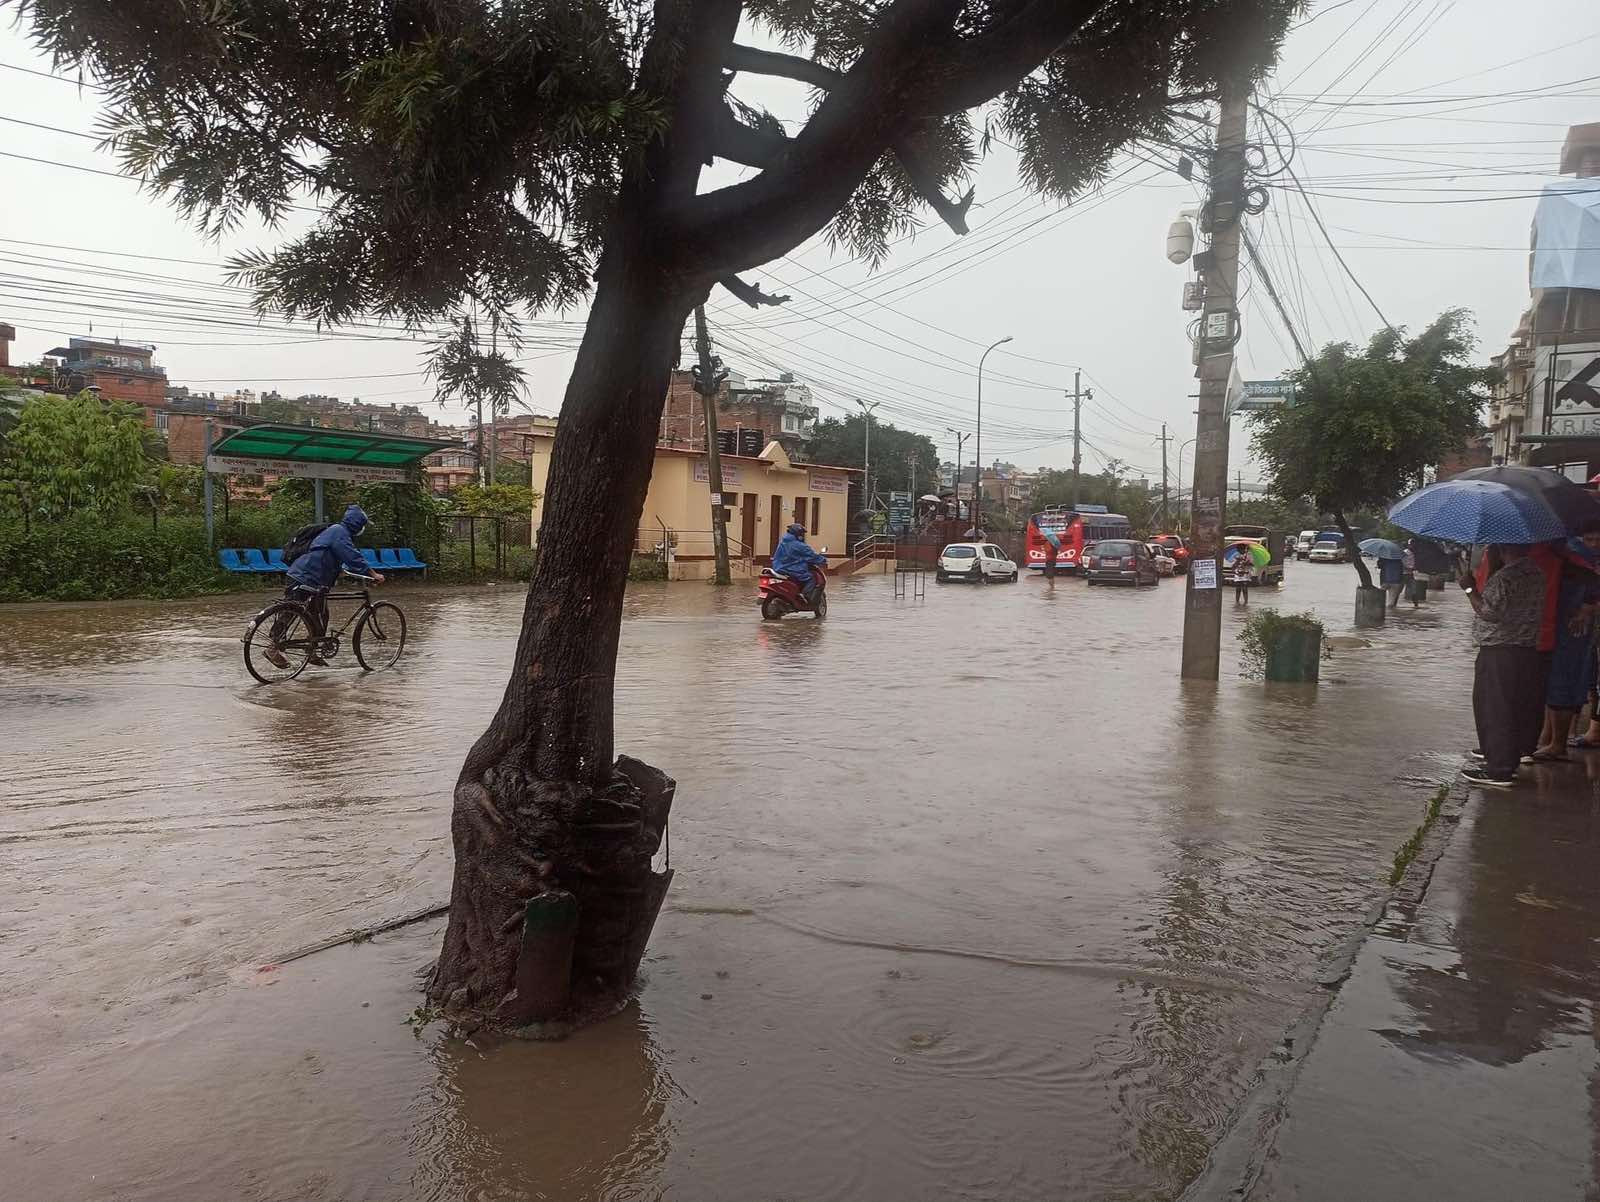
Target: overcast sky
1423 127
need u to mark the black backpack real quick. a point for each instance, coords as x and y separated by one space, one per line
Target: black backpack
300 541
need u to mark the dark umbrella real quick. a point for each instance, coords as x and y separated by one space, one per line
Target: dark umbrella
1570 502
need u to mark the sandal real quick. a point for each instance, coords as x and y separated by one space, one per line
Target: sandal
1550 757
1582 743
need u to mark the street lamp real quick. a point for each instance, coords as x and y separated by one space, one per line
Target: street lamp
977 480
1181 448
961 440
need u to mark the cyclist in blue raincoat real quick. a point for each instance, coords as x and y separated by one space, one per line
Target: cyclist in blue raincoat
312 574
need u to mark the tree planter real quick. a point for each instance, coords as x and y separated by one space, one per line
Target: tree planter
1295 654
1371 606
1282 647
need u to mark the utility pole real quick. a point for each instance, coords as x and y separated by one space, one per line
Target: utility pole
1166 523
960 441
866 453
1078 398
1222 218
705 383
1238 491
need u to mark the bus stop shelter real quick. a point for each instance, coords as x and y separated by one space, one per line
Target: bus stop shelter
316 454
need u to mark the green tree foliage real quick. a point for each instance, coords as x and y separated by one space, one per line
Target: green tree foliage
494 501
842 442
1369 421
75 454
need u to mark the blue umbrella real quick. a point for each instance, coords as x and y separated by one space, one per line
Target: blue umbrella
1382 548
1477 512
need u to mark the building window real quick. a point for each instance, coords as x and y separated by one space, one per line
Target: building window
816 514
791 424
161 423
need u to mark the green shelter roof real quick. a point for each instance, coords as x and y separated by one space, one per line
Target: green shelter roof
312 444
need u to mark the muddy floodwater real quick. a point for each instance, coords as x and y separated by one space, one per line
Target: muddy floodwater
974 898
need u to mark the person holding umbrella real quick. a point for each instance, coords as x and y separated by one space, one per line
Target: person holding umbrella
1507 683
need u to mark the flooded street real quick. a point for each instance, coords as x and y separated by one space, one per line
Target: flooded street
1022 927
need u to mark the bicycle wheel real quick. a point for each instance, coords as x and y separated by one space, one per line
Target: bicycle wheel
293 645
380 636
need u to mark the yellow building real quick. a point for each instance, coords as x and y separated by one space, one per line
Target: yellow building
761 497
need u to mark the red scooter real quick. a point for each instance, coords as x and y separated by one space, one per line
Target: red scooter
781 595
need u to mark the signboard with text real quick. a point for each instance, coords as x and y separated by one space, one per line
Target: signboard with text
730 473
240 465
816 482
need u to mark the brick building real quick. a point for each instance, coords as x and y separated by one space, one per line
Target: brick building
121 371
782 410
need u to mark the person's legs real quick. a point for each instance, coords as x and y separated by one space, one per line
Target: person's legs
1494 709
1394 595
1533 679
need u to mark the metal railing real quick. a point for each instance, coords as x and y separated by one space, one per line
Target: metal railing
873 546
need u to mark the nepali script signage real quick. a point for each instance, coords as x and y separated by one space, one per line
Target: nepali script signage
817 482
353 473
730 473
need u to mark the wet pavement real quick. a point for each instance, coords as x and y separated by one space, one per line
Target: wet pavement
1459 1060
974 899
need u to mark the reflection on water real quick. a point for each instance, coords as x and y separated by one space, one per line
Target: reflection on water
975 897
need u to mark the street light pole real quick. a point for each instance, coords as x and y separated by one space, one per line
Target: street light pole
866 457
977 480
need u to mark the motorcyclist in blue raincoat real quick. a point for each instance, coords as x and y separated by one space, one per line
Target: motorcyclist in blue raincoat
312 574
794 558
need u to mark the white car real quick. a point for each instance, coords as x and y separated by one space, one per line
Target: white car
1327 551
977 562
1303 544
1166 565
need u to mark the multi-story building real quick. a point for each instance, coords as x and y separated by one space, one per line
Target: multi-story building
1553 364
782 410
121 371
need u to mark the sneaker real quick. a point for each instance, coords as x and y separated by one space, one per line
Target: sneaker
1477 754
1481 776
1527 759
316 661
276 659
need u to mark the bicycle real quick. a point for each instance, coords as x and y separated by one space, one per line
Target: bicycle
286 627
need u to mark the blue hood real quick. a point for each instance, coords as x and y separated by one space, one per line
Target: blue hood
354 520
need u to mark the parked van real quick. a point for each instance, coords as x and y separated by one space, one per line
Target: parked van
1303 544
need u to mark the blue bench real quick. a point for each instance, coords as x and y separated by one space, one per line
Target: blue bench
252 561
408 559
275 558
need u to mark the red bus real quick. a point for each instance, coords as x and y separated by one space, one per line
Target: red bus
1074 527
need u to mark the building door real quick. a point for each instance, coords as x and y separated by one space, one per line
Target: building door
747 520
800 510
777 524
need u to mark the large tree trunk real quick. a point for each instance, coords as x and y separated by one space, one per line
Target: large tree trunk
541 810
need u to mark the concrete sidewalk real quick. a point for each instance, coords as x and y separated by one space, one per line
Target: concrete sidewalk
1459 1059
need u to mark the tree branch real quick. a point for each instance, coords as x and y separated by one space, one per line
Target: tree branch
979 69
910 69
788 66
732 139
750 294
953 213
